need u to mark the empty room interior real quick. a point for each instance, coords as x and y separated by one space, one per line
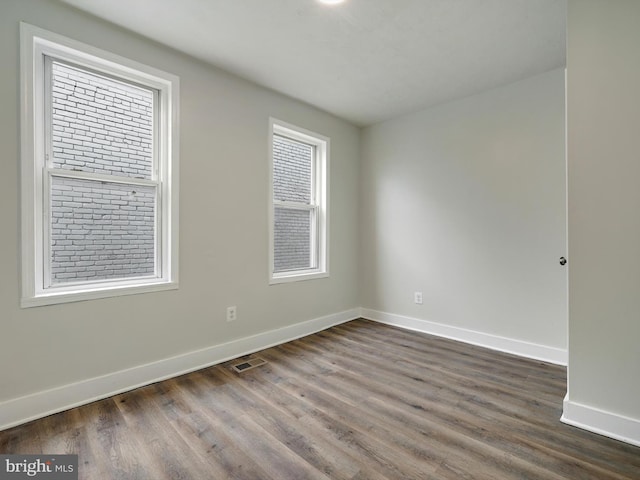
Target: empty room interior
296 239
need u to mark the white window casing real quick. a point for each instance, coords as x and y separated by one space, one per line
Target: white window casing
310 202
43 170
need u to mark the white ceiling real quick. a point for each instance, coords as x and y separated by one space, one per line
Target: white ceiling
364 60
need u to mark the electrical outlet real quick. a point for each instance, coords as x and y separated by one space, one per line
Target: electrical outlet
417 298
231 313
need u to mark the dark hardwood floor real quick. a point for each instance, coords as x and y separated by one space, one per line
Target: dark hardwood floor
358 401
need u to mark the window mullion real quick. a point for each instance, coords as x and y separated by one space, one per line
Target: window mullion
160 261
46 229
159 171
48 111
157 132
315 192
79 174
292 205
47 152
314 175
313 234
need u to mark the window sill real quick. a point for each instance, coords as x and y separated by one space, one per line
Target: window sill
54 298
296 277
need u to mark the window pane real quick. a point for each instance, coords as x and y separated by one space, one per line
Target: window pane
292 164
101 230
292 239
100 125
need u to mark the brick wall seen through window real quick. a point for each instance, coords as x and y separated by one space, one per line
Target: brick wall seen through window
101 230
292 182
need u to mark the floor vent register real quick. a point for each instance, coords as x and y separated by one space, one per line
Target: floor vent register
248 364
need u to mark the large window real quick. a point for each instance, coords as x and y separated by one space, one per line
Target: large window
298 206
99 171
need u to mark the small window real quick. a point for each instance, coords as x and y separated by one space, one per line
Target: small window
99 164
298 206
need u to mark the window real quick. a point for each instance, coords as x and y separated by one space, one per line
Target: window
298 204
99 173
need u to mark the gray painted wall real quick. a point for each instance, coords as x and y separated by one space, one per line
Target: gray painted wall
224 234
603 79
466 203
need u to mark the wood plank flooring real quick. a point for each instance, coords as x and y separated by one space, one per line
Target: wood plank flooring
358 401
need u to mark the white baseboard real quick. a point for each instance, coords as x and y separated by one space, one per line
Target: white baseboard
557 356
41 404
601 422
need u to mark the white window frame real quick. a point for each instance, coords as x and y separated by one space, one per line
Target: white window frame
36 46
319 203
